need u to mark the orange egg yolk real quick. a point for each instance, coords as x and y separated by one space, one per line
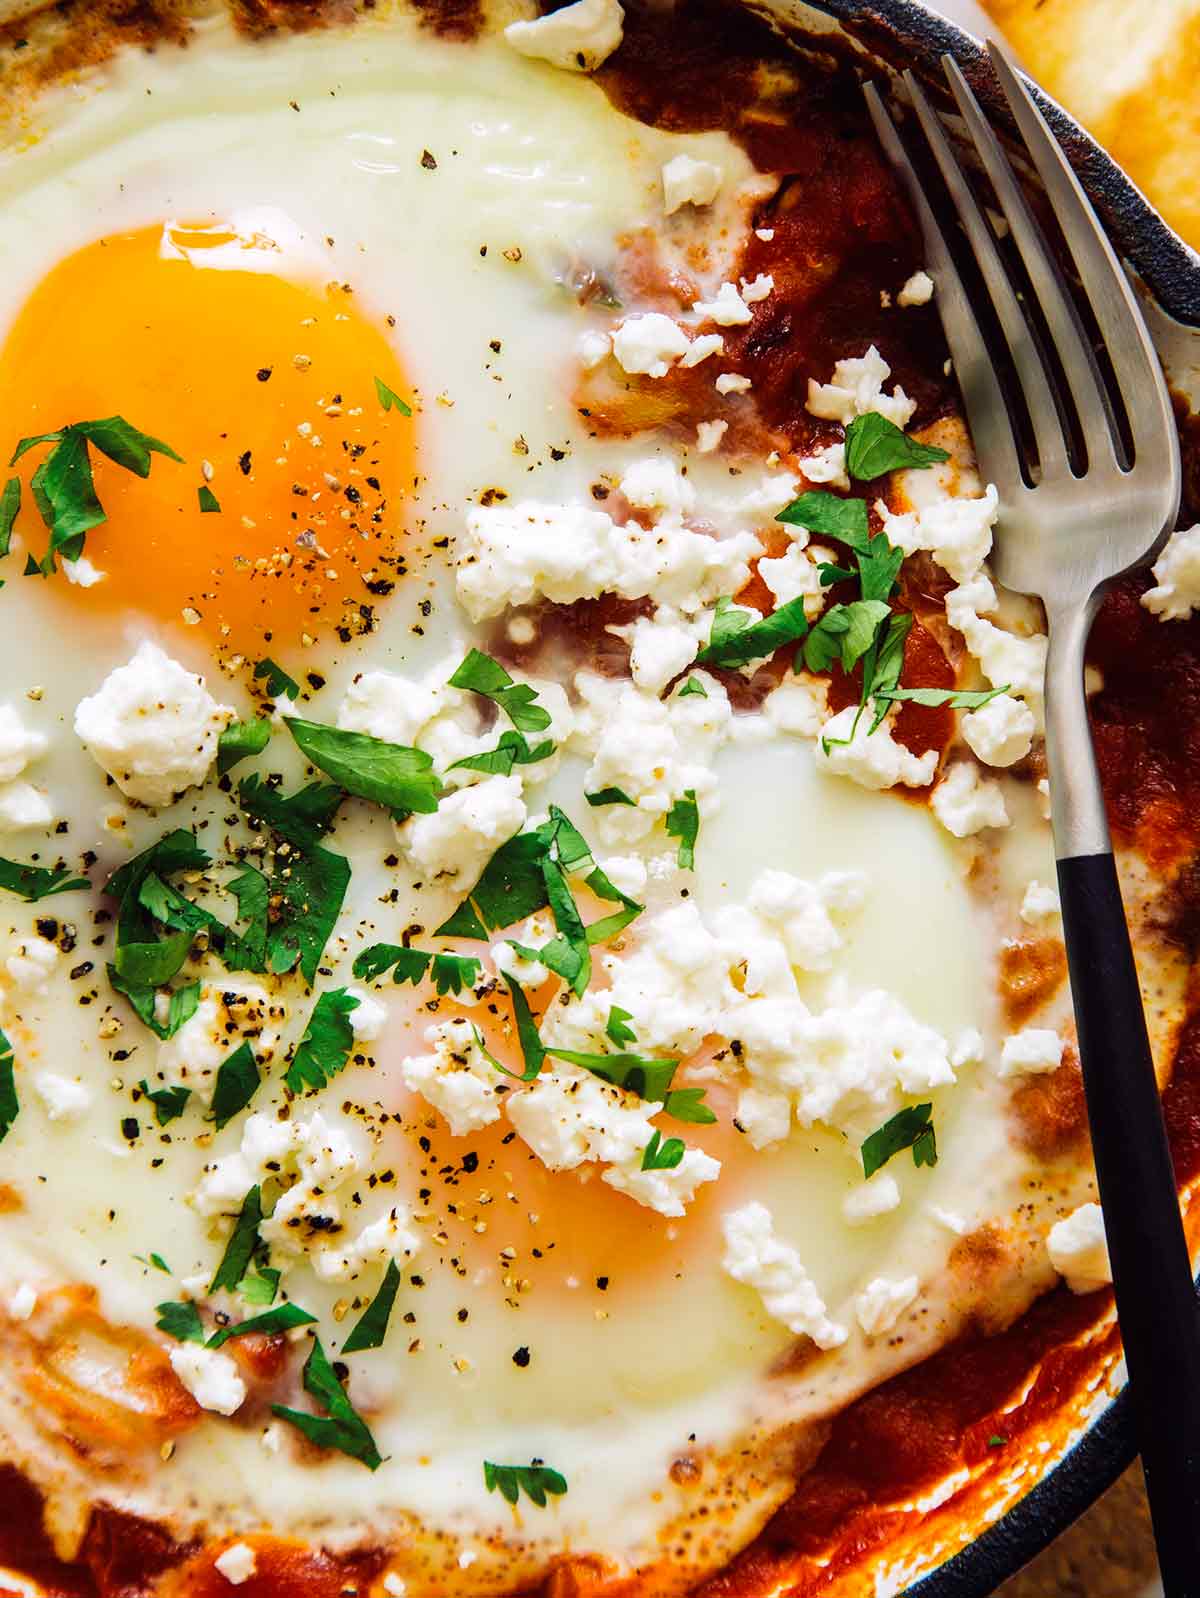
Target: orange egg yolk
266 385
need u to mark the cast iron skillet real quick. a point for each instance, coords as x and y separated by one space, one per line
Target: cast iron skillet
899 34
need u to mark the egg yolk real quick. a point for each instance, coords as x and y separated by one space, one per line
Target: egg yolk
217 342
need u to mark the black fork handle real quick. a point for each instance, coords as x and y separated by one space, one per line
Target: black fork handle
1152 1274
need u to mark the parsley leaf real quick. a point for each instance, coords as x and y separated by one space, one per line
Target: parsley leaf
610 796
389 399
615 1027
534 1480
371 1328
910 1128
180 1320
277 680
302 817
36 882
10 504
308 886
844 632
830 515
327 1043
692 686
385 773
639 1074
243 1241
207 500
280 1319
528 1037
660 1156
512 750
240 740
518 701
9 1106
169 1103
155 1260
736 640
956 698
687 1104
451 972
237 1083
683 822
341 1427
183 1004
260 1288
875 446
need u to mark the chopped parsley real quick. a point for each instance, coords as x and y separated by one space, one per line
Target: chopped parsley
647 1078
910 1128
243 1241
280 1319
341 1426
683 822
278 683
371 1327
693 686
10 504
240 740
844 633
660 1156
237 1083
830 515
483 675
512 750
327 1044
260 1288
535 1481
616 1028
207 500
956 698
180 1320
737 639
169 1103
451 972
389 399
9 1106
875 446
388 774
609 796
36 882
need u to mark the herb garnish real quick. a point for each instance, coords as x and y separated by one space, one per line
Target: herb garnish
278 683
830 515
910 1128
37 882
9 1106
875 446
207 500
371 1328
341 1427
327 1043
535 1481
309 883
243 1241
389 399
387 774
451 972
240 740
736 639
518 701
512 750
609 796
683 822
169 1103
180 1320
647 1078
956 698
693 686
615 1027
660 1156
237 1083
280 1319
10 504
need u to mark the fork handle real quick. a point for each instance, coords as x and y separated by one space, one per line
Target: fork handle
1152 1275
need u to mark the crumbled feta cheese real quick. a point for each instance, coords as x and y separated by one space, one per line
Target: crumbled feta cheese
968 1048
917 291
732 383
569 1116
882 1302
368 1017
661 646
727 309
956 531
18 744
626 873
872 759
798 913
395 708
799 705
656 483
755 1256
153 727
228 1014
668 1191
649 344
65 1100
856 388
32 963
578 38
965 804
464 832
704 345
709 436
394 1585
511 554
237 1564
1030 1051
878 1195
999 733
827 465
592 348
23 1302
211 1377
389 1238
765 1118
687 181
1006 659
1078 1249
1041 903
758 289
1176 593
794 574
82 573
529 973
455 1078
22 805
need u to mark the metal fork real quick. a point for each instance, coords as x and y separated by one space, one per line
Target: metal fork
1079 505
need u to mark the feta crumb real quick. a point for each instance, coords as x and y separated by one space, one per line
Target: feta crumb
765 1118
878 1195
968 1048
18 744
686 181
579 38
796 573
1033 1050
702 347
1041 902
798 706
626 873
726 309
32 963
766 234
1078 1249
667 1192
23 1302
856 388
368 1017
152 726
882 1302
1176 593
917 291
872 759
464 832
64 1099
709 436
237 1564
758 289
956 531
656 483
529 973
22 806
455 1078
228 1014
592 348
755 1256
1007 660
82 573
649 344
394 1585
826 465
965 804
211 1377
1001 732
732 383
661 646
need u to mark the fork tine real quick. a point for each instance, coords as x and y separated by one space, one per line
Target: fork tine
987 411
1048 427
1112 299
1071 342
